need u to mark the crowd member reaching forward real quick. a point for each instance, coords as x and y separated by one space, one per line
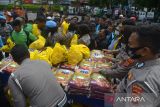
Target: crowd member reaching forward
38 29
35 81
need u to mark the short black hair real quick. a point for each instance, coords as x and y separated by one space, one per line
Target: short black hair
16 23
149 36
19 53
83 29
128 29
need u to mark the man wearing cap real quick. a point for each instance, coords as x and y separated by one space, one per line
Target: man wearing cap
9 17
51 28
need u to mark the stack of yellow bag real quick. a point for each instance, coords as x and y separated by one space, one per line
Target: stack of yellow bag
64 27
77 53
44 55
35 30
40 42
9 45
58 55
74 40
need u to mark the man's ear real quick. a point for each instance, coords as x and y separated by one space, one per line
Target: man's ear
146 50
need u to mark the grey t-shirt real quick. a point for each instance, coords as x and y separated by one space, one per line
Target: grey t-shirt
38 84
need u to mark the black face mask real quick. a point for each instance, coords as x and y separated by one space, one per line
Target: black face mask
132 52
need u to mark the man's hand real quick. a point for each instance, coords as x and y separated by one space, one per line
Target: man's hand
105 51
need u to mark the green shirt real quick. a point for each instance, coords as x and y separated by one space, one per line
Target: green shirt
21 37
28 27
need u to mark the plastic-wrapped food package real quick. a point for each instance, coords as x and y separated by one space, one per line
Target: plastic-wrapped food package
63 76
103 65
97 54
79 81
11 67
83 72
99 83
87 64
68 66
5 62
79 85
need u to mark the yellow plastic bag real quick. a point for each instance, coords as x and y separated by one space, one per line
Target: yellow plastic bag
58 55
38 44
64 27
9 45
74 55
74 40
44 55
35 30
33 54
85 51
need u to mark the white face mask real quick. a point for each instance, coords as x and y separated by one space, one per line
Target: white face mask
116 32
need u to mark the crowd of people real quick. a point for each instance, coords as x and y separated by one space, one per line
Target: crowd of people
135 48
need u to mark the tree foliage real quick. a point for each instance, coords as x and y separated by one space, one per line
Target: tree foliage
148 3
107 2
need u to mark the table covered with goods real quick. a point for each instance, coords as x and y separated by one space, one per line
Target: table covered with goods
81 81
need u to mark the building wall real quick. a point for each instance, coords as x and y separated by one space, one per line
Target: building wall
6 1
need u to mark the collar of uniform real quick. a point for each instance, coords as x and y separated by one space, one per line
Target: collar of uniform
149 63
25 61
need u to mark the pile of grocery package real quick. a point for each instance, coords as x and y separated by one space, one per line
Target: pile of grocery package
74 69
82 79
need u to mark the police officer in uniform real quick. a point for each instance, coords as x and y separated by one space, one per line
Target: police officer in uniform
122 63
143 80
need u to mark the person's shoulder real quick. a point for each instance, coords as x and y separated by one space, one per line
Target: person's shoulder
154 71
41 62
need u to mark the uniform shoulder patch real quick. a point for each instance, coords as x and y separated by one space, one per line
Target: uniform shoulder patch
139 65
137 89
